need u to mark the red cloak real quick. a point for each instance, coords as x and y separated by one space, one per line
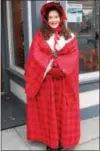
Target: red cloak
53 114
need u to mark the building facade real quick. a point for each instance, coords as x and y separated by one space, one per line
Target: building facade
21 19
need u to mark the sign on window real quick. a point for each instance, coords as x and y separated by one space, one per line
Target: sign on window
74 13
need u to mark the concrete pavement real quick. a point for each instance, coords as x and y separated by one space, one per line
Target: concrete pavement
15 139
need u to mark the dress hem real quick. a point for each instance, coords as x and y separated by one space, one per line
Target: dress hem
53 147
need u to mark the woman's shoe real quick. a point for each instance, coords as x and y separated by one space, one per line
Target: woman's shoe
48 148
51 149
59 149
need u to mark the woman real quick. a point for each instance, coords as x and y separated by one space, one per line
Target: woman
51 75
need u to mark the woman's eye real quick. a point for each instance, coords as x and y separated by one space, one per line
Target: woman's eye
56 17
50 17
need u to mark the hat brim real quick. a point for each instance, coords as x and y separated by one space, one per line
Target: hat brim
56 5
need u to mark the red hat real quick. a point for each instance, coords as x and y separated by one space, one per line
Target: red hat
56 5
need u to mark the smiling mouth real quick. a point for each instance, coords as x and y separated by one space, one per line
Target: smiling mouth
54 23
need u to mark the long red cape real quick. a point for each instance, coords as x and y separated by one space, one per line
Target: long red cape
52 103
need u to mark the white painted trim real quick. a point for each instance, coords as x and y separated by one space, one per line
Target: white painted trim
86 77
17 69
17 90
29 21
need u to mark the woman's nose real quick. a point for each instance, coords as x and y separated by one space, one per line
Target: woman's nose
53 19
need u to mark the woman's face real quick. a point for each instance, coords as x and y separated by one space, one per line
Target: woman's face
53 19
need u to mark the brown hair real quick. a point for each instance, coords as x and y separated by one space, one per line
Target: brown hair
47 31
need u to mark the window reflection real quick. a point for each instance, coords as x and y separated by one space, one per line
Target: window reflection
18 33
87 36
89 58
86 24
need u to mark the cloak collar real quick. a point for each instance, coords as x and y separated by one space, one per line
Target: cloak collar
47 49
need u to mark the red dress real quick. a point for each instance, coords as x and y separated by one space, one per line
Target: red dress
53 114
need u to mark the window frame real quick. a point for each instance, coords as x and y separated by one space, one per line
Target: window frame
27 28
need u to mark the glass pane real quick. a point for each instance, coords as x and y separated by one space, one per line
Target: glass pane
84 26
86 34
88 54
18 33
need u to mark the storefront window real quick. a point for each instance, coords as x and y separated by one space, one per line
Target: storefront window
18 33
84 26
85 29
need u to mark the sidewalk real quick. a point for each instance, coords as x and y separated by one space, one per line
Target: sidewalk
15 139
